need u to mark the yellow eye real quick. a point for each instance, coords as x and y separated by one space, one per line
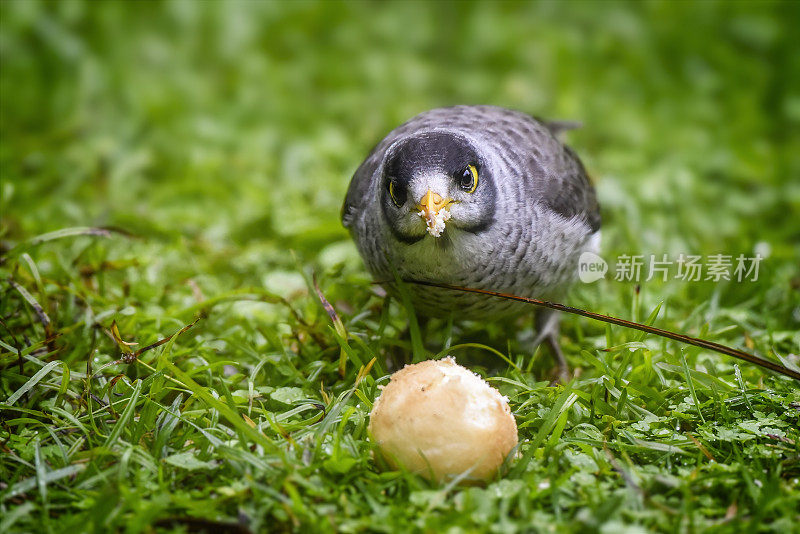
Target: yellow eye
393 195
468 181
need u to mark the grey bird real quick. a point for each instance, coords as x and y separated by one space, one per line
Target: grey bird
477 196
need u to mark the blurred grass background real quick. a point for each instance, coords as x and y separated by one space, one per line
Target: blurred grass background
235 126
246 119
223 135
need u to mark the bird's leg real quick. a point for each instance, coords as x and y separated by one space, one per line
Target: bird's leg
546 323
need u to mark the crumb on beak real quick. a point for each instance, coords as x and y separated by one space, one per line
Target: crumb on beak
435 221
435 210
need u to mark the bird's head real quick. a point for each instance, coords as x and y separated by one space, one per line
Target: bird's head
434 181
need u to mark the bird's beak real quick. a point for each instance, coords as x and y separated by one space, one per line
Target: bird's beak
434 209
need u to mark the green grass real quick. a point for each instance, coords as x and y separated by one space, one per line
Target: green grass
221 137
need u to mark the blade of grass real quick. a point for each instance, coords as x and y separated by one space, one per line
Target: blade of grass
502 356
41 373
563 403
690 383
126 415
417 347
233 417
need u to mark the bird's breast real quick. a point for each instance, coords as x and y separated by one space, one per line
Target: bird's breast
484 261
532 253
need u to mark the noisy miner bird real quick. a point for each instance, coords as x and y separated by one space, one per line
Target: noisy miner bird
477 196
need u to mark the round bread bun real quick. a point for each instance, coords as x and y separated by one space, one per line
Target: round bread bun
438 419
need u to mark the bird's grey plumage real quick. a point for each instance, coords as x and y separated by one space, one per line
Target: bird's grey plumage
545 214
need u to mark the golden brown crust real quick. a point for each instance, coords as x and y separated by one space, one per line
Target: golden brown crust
438 419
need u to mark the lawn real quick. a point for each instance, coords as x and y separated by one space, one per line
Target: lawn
174 171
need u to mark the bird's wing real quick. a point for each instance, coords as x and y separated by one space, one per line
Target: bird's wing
569 191
565 186
358 190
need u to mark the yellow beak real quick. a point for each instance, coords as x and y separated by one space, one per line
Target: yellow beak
431 203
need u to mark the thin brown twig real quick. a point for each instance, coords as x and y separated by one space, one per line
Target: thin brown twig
689 340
